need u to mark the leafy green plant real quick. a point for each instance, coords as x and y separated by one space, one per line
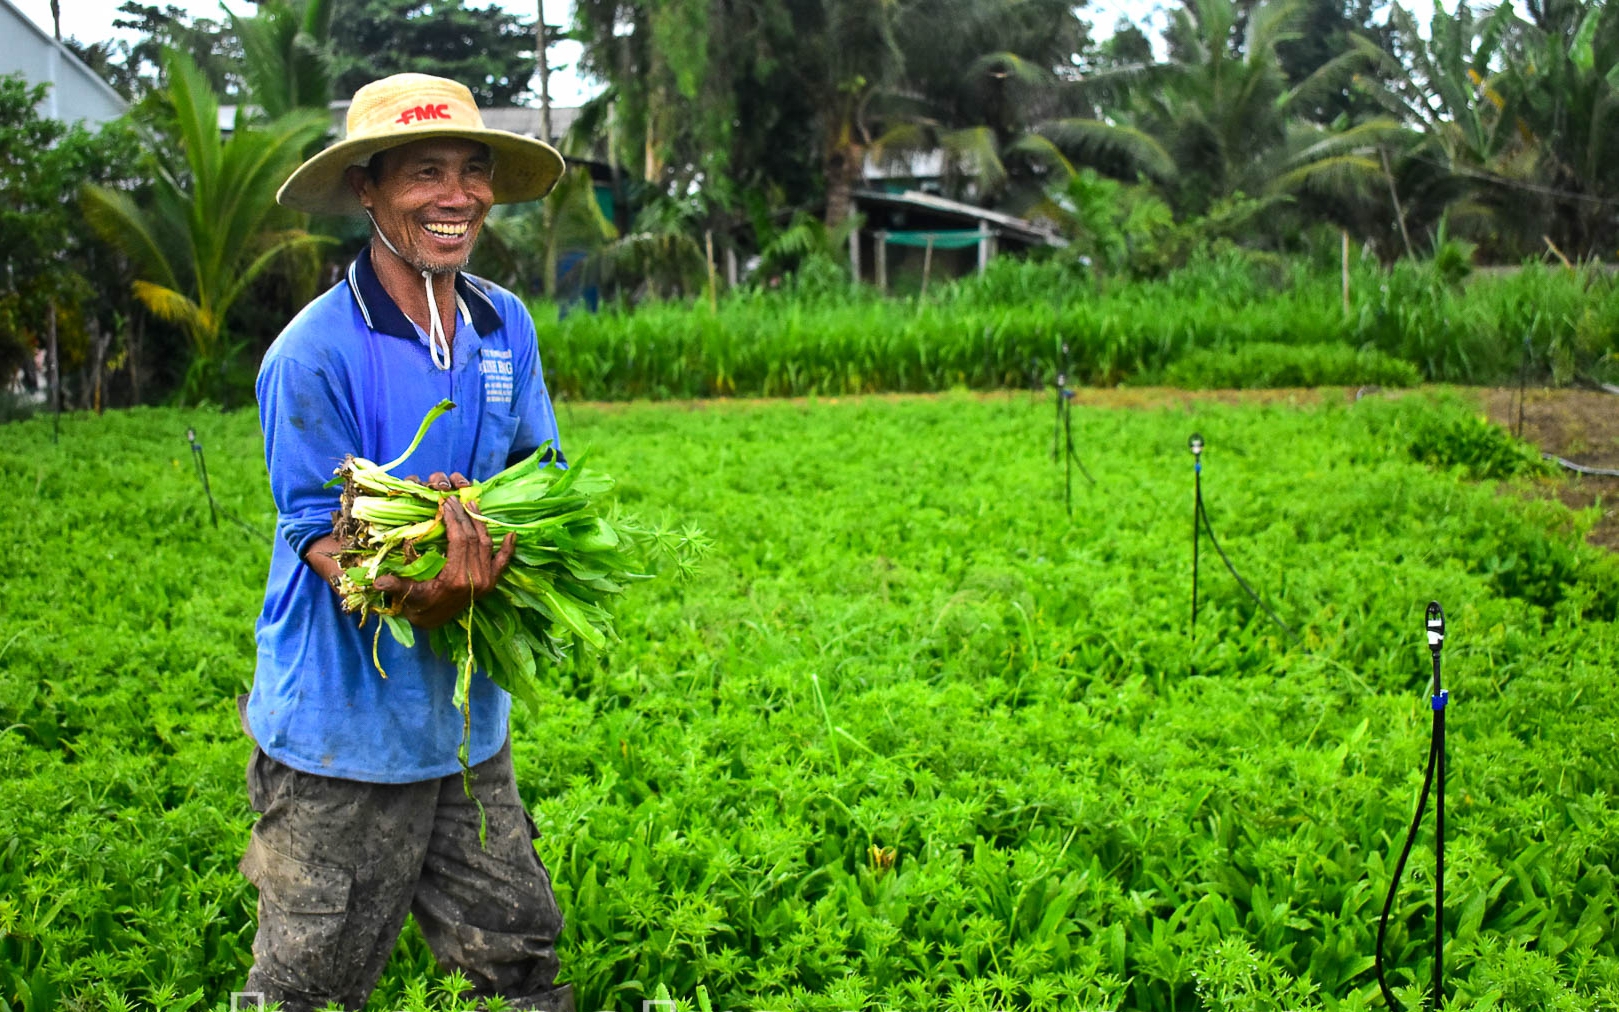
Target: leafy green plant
770 791
1285 365
1007 329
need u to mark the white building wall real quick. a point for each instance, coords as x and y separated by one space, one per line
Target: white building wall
76 92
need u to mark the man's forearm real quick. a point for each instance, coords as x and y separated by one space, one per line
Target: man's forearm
322 558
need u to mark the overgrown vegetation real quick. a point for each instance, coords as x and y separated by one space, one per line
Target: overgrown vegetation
1007 330
913 740
1276 126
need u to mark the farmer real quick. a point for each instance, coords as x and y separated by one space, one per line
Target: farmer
363 817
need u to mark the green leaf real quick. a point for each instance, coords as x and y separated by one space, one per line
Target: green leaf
427 565
402 631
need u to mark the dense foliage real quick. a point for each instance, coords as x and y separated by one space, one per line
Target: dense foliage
1266 125
1008 329
1506 124
51 261
489 49
912 740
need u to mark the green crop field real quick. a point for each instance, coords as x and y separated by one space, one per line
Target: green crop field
912 739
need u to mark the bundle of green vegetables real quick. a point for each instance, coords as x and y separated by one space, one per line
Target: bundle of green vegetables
574 553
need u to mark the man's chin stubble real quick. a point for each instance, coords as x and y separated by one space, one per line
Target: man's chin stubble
441 269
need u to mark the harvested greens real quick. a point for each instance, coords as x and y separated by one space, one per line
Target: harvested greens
574 553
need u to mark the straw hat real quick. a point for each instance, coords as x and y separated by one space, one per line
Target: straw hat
411 107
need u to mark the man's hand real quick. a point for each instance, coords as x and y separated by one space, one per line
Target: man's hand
472 567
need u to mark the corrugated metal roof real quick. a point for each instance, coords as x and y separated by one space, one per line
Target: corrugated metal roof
1003 223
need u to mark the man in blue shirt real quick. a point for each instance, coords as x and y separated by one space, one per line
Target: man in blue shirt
363 816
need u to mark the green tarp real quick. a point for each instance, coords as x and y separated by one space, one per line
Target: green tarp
960 238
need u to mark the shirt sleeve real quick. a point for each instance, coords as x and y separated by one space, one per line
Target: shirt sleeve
308 430
536 416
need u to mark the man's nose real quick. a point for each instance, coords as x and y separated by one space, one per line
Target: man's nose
457 191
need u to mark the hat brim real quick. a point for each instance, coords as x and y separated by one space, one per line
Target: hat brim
525 169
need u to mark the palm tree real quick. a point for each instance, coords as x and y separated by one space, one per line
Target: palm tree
859 55
995 97
204 239
1223 108
1490 96
994 151
1562 76
287 55
529 242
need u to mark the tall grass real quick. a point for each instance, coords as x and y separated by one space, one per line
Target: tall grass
1008 329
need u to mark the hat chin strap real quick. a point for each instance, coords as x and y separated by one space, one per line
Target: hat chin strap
437 344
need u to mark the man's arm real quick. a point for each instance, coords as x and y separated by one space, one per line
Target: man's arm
321 556
531 402
309 427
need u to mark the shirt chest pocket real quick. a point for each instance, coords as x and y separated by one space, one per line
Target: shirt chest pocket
494 444
495 437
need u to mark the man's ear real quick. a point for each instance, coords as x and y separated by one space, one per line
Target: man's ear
358 180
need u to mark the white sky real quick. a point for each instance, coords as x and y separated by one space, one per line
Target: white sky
91 21
1151 16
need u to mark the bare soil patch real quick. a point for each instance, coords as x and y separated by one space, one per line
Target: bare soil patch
1578 425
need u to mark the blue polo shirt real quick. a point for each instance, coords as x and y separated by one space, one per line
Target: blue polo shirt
353 375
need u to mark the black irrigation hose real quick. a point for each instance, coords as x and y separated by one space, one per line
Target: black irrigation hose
1523 383
1601 472
1200 516
1435 621
200 466
1062 437
1204 513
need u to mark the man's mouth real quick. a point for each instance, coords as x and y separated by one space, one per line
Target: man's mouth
447 230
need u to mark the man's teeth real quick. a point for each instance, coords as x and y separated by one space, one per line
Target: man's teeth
451 231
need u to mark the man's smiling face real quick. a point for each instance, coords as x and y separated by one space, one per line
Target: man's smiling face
429 198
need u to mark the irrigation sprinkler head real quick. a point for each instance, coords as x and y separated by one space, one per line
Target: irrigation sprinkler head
191 436
1436 626
1195 444
1062 380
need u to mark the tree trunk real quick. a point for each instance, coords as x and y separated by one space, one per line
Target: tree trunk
56 359
549 282
137 328
844 167
99 340
543 44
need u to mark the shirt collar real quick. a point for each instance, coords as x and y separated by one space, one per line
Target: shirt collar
384 316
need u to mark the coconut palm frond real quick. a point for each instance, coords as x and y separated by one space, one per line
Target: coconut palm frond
1311 144
173 307
1337 174
1040 149
281 244
1328 79
1012 67
1271 23
122 224
1090 138
975 154
895 146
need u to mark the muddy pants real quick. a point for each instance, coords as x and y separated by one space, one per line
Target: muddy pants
338 864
